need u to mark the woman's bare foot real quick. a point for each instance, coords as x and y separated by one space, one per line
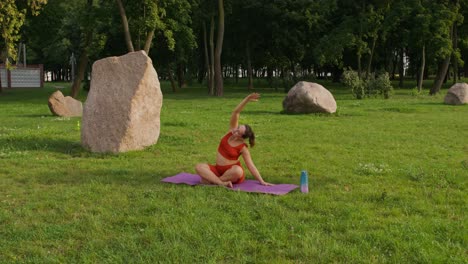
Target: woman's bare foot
203 181
227 184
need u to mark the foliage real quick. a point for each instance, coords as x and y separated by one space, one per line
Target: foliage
416 92
380 85
285 38
389 195
12 17
61 30
352 80
361 88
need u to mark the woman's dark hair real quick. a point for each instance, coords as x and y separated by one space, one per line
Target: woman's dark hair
249 134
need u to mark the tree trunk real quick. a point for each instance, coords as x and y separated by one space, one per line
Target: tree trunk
369 63
447 75
270 76
236 72
207 59
181 75
337 72
80 74
439 79
401 69
442 70
83 60
212 68
171 79
394 65
149 40
1 88
455 47
293 71
128 38
219 50
249 68
359 64
421 72
285 75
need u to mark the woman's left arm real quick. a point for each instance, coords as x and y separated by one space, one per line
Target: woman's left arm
251 166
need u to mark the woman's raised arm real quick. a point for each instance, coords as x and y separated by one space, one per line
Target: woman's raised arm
234 123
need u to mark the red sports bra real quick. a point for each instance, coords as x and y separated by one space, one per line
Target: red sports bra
228 151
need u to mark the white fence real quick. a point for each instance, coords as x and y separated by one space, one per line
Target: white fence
31 76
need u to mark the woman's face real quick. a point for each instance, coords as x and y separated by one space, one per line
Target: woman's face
239 131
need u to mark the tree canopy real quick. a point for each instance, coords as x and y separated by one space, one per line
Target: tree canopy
290 39
12 17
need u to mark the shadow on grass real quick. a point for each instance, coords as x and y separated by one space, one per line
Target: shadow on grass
110 175
402 110
261 112
42 116
432 103
282 112
336 114
40 144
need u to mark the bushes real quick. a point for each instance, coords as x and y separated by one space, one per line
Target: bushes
367 88
351 79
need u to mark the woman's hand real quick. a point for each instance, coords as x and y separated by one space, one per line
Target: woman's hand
266 183
234 123
253 97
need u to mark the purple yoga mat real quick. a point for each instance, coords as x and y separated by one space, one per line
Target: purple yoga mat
246 186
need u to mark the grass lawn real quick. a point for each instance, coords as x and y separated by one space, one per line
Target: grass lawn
388 184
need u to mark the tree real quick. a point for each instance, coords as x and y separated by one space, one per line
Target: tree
150 17
374 19
292 39
204 16
218 74
175 38
12 18
84 59
421 24
446 14
397 25
462 39
168 22
352 28
123 15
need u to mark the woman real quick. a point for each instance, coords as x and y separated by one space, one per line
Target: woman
228 169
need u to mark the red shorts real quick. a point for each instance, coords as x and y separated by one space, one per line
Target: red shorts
220 170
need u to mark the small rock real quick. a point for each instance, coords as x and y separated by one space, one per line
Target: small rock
65 106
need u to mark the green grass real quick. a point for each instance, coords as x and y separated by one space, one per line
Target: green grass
388 184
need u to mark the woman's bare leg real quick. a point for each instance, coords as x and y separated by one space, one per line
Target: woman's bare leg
209 177
233 174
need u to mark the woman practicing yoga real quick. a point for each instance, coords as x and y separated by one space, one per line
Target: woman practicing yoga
228 169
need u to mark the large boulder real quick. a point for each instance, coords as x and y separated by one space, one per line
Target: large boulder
457 94
122 111
65 106
307 97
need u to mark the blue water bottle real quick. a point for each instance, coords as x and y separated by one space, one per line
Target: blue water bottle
304 182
